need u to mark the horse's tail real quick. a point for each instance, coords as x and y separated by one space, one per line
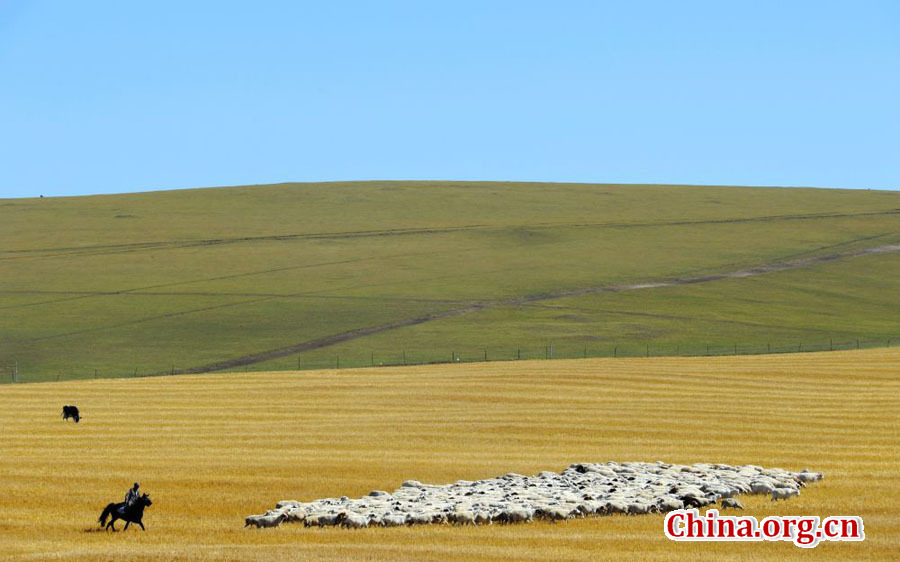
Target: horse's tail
106 512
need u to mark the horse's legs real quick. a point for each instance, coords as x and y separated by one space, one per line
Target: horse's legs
142 526
127 523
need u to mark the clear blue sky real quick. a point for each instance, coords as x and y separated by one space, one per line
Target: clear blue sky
99 97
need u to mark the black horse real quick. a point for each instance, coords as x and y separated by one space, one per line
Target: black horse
71 412
129 514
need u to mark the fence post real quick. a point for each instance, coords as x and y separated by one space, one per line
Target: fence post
519 353
585 353
616 351
831 344
648 350
337 362
551 351
404 357
485 354
735 349
452 356
16 371
857 343
707 349
298 361
95 373
769 347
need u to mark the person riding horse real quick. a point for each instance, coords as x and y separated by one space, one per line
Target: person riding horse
130 497
130 511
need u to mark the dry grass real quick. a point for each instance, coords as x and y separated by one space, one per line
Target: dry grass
212 449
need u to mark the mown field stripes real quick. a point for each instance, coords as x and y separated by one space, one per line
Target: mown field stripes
212 448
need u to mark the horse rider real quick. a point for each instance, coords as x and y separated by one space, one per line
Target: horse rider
132 495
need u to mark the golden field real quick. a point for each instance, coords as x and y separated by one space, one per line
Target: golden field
211 449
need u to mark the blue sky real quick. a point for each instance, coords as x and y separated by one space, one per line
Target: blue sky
102 97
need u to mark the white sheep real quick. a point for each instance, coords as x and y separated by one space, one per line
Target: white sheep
461 517
517 515
264 520
321 519
732 503
353 521
579 490
761 487
639 508
418 518
393 520
784 493
555 514
295 515
483 518
670 504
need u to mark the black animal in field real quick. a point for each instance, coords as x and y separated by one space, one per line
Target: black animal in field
128 513
71 412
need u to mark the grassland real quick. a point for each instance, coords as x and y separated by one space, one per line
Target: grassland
213 448
148 282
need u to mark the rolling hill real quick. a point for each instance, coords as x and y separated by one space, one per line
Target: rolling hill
272 277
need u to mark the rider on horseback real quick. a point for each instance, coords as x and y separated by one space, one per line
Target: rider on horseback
132 496
130 511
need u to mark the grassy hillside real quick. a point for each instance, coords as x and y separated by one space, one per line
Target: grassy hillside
252 441
146 282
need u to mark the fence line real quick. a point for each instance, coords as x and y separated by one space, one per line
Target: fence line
554 351
13 372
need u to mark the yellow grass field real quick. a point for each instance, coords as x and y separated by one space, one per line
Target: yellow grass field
212 449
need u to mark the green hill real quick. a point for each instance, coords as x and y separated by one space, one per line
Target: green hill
263 277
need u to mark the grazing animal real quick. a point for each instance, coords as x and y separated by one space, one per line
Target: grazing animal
461 517
313 520
516 515
129 513
294 515
806 476
784 493
321 519
555 514
261 521
482 518
393 520
418 518
691 501
639 508
71 412
616 507
670 504
759 487
352 521
732 503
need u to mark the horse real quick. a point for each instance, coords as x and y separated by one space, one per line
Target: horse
129 514
71 412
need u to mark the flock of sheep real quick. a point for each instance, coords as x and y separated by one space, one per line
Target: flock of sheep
580 490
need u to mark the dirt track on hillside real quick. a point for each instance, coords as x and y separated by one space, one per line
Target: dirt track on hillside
155 245
370 330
